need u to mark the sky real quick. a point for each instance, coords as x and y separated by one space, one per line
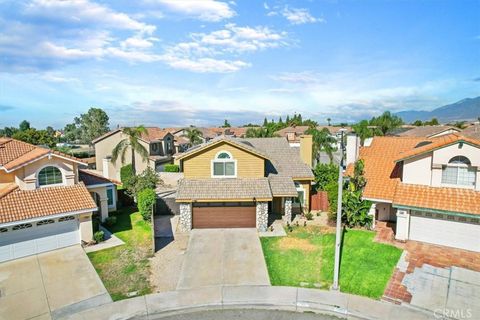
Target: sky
197 62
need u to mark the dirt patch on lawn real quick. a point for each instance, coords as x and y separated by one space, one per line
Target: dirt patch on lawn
288 243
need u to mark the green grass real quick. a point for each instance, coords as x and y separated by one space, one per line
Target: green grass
306 258
126 268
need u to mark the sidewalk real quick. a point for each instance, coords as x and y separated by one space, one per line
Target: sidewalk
253 297
110 241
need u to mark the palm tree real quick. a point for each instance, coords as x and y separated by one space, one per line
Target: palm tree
262 132
322 141
131 142
194 136
328 121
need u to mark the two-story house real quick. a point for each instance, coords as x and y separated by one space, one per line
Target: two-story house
235 182
428 187
160 144
46 200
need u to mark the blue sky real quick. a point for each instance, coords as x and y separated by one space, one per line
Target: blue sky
175 63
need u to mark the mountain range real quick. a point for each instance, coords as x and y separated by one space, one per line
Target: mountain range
466 109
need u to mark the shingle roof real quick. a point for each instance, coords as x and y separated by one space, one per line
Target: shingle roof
284 160
472 131
89 177
443 199
28 204
15 153
223 189
282 186
435 143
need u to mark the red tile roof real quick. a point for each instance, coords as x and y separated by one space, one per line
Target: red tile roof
15 153
28 204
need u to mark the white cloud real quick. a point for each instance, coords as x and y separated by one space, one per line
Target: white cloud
305 77
205 10
299 16
206 51
84 11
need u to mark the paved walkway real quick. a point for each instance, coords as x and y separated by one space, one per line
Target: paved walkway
299 300
223 257
110 241
50 285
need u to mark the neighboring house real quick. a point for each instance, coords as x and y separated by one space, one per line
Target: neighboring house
158 142
424 131
45 202
234 182
293 133
428 187
472 131
232 132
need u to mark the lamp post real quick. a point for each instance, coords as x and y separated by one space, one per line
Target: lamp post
338 236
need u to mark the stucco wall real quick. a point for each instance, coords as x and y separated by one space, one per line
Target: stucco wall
385 212
86 228
200 164
418 170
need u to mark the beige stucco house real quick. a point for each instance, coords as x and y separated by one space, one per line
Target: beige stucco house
158 142
45 200
428 188
235 182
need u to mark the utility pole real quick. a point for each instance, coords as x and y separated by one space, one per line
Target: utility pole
338 236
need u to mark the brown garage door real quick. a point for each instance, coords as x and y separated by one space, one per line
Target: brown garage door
224 215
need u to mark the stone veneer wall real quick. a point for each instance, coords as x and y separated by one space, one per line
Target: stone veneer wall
287 217
262 216
185 217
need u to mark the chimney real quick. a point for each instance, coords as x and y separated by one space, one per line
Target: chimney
353 147
306 149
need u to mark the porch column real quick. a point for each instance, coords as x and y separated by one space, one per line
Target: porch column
403 225
372 212
262 216
185 217
287 217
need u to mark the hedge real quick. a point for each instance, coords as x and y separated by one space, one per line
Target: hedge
126 172
146 200
172 168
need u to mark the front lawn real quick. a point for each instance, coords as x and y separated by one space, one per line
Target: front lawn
305 257
125 269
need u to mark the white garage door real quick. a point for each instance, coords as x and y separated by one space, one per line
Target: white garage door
446 230
36 237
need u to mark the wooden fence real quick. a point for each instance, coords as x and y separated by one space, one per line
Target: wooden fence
319 201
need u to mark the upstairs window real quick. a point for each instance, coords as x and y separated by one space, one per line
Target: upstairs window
459 171
224 166
50 175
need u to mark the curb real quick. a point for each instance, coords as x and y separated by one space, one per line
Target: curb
156 306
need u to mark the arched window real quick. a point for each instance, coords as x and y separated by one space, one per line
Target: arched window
50 175
459 171
224 166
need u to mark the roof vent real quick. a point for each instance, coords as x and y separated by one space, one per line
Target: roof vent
423 143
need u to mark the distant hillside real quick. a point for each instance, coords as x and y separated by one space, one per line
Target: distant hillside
466 109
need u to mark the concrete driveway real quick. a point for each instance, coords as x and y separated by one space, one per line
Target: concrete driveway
49 285
223 257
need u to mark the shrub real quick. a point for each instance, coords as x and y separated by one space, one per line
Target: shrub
172 168
126 173
309 216
148 179
325 174
110 221
98 236
146 200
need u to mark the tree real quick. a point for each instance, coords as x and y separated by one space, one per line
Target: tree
92 124
226 124
72 133
131 143
50 130
325 174
417 123
287 120
460 125
194 136
262 132
148 179
386 122
280 121
8 131
36 137
328 121
265 122
147 199
24 125
433 122
322 141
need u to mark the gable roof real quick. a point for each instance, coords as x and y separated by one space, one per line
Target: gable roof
425 131
154 134
428 145
91 178
106 135
15 154
218 140
28 204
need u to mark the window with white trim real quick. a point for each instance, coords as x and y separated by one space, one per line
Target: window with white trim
50 175
110 197
224 166
459 171
300 199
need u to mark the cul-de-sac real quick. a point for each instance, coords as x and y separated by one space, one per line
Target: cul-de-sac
210 159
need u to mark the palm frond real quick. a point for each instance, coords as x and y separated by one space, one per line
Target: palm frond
118 149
